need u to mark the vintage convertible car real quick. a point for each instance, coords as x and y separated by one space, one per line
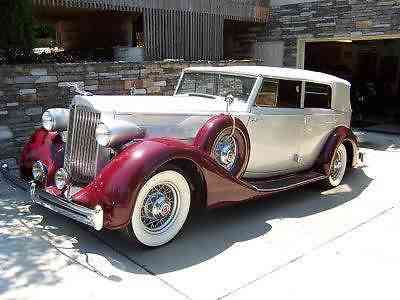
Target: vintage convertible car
228 134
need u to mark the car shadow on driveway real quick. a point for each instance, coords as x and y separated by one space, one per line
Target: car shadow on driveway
208 234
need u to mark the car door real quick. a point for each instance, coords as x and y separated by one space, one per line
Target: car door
320 120
276 127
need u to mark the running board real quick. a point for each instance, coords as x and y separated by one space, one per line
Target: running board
286 182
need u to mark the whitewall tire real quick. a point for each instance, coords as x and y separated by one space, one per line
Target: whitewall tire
161 209
338 166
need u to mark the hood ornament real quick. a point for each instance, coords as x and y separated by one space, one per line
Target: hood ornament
229 98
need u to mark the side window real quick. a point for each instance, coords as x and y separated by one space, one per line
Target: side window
268 94
317 95
289 94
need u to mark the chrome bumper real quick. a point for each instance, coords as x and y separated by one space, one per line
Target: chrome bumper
90 217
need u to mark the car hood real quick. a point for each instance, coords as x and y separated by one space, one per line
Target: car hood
156 104
160 116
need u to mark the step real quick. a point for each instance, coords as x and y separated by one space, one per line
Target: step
284 182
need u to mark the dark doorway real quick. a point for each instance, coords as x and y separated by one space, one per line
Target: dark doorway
92 34
240 38
372 67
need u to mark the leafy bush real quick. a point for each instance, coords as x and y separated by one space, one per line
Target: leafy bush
16 34
44 31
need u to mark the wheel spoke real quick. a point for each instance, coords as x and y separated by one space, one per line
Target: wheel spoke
159 207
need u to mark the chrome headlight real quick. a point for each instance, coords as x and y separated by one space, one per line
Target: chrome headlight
61 178
48 121
39 171
103 135
111 133
55 119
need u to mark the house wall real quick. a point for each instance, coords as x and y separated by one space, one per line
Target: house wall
254 10
341 19
26 91
189 30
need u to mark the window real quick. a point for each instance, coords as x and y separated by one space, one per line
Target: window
317 95
268 94
216 85
201 83
289 94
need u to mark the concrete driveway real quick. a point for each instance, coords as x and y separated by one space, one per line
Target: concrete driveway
308 243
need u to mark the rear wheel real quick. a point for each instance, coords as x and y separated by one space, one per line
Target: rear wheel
337 167
161 209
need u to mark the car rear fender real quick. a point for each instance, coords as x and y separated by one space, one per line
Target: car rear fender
340 135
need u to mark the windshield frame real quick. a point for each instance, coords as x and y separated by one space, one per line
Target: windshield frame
255 77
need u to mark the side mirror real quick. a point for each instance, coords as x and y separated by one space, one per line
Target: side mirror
229 98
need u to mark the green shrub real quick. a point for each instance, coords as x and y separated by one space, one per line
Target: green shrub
16 33
44 31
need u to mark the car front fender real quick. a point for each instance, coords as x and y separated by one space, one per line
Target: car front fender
46 146
117 185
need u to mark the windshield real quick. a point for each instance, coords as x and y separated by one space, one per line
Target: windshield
216 85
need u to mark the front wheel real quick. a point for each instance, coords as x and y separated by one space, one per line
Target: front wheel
161 209
337 167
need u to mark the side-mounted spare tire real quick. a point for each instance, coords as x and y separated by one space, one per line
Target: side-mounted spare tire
226 141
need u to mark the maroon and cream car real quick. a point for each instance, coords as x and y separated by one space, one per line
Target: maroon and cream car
229 134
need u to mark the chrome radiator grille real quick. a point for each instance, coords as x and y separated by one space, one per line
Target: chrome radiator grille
82 151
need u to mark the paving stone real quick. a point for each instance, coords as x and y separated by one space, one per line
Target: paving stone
80 84
25 79
46 79
34 111
160 83
91 87
39 71
27 92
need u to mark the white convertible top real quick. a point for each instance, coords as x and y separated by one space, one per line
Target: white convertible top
274 72
340 87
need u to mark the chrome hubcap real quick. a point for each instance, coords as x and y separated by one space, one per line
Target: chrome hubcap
159 208
337 165
225 151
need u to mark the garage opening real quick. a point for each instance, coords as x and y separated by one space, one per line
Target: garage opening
373 68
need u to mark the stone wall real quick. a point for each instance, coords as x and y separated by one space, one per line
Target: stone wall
26 91
329 19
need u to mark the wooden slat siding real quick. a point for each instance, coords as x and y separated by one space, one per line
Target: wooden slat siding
252 10
188 35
